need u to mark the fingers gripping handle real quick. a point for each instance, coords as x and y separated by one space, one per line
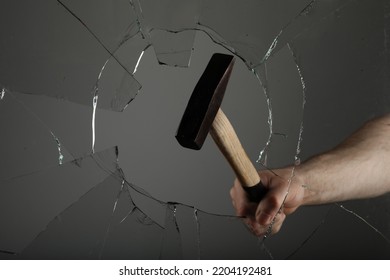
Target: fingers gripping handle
227 141
256 193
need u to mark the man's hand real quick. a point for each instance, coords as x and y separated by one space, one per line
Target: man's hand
358 168
285 194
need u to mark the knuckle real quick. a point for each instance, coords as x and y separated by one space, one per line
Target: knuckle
241 210
264 218
273 202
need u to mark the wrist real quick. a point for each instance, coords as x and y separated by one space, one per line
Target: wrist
307 175
300 180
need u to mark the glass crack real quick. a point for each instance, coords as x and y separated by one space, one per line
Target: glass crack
364 221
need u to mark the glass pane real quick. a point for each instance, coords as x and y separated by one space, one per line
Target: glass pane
90 167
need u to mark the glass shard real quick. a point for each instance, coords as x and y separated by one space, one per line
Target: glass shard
170 27
65 60
30 202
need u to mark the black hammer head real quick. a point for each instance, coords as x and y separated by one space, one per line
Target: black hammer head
205 102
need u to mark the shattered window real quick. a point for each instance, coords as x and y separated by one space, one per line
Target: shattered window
91 95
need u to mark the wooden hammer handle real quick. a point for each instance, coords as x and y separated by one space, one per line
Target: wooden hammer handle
227 141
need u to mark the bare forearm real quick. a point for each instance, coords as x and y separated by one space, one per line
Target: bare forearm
358 168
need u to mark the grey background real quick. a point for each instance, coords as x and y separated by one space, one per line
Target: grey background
343 61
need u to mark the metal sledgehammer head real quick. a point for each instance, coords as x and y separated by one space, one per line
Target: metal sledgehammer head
205 102
203 115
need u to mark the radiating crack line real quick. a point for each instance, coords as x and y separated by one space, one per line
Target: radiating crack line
303 12
94 105
56 139
60 155
138 62
274 43
128 214
298 149
265 248
269 229
270 115
365 221
311 234
110 222
63 211
197 233
8 252
2 93
169 207
94 35
175 219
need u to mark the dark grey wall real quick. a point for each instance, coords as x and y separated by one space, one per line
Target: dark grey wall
328 73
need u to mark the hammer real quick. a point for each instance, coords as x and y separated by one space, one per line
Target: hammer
203 115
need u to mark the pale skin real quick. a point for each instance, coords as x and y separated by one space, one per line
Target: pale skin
358 168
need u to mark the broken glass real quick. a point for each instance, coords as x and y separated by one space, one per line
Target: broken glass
89 165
